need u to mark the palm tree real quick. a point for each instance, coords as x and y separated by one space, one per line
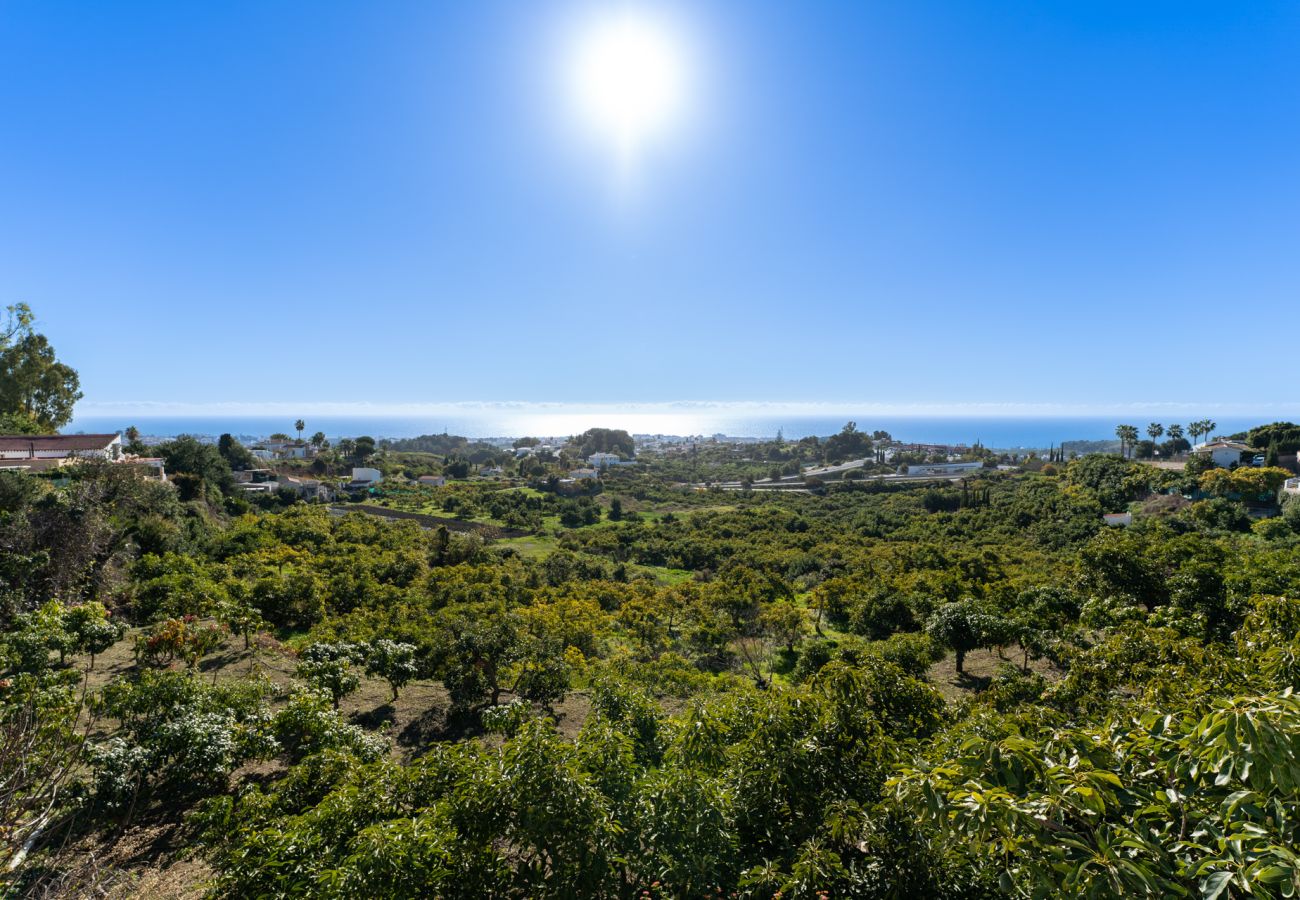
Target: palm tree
1128 435
298 427
1175 432
1209 425
1195 430
1154 430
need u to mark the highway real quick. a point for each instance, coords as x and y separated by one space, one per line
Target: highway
796 482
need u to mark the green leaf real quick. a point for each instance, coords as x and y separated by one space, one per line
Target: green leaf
1214 885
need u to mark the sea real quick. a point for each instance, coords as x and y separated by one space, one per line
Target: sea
1006 432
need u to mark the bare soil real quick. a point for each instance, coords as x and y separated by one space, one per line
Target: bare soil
978 670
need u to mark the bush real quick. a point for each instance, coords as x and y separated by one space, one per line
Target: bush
307 725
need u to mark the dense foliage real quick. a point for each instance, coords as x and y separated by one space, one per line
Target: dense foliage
883 689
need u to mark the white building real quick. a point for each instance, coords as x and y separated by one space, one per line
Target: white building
1292 486
604 460
433 480
580 474
282 450
1224 454
365 476
1118 520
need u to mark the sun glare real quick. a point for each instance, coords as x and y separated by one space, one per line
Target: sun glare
628 80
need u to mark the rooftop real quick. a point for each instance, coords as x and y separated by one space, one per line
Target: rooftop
68 442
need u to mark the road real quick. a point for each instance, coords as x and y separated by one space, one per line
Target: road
796 482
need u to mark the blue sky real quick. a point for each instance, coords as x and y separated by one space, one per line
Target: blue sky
1052 204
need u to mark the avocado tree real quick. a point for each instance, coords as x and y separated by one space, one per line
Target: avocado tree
393 661
328 666
961 627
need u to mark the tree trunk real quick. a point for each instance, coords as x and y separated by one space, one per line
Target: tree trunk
961 660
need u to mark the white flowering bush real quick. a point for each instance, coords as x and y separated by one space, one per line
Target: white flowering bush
308 725
178 736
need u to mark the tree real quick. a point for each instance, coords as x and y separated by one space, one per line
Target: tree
1201 427
242 618
960 626
1128 435
318 439
605 440
785 622
363 448
1285 436
1154 430
298 426
1176 444
236 455
34 385
201 466
93 628
329 668
478 647
848 444
392 661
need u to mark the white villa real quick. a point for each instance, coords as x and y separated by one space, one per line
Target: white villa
604 460
1224 454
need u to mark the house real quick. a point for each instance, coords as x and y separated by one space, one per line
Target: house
489 471
306 488
365 477
1118 520
604 460
253 476
147 466
1224 454
433 480
61 447
580 474
282 449
1292 486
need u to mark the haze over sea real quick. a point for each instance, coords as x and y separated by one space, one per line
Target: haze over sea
1024 429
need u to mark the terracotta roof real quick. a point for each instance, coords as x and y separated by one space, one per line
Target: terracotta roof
69 442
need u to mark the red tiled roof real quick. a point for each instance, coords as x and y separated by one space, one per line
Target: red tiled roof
69 442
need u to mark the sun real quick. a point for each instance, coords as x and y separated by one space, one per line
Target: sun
628 78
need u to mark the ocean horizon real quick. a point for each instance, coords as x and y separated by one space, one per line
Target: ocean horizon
1000 432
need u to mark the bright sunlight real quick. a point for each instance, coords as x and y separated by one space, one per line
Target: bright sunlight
628 79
